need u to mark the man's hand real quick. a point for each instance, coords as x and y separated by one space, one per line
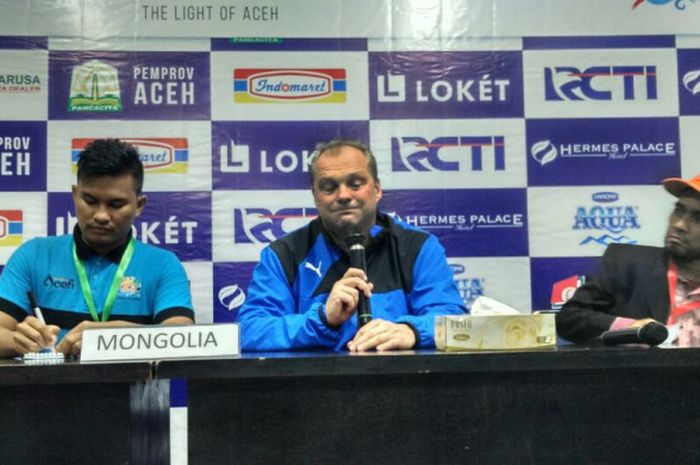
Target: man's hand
72 342
383 335
344 296
31 335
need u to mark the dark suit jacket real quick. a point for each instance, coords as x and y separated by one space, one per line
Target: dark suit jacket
631 282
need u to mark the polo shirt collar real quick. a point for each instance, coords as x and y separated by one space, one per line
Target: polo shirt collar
85 252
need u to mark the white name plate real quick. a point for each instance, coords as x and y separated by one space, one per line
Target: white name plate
160 342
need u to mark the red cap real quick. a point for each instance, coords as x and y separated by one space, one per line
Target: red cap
676 186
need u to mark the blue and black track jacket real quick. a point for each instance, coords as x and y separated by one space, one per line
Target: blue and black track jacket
284 308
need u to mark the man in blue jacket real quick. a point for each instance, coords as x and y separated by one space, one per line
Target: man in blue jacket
304 293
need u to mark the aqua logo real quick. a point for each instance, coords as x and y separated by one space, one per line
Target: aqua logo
614 218
457 268
604 197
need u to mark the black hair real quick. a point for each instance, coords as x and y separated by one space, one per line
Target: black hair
110 157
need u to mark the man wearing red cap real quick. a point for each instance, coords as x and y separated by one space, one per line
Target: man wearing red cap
638 284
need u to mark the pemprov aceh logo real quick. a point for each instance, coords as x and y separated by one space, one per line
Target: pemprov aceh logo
678 4
94 87
262 85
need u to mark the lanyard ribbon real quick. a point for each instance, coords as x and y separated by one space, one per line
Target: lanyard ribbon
113 288
677 310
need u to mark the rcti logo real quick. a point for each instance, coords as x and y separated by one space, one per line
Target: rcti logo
10 228
678 4
94 87
570 83
159 155
262 226
289 85
613 219
421 154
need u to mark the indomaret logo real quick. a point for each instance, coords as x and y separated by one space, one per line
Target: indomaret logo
10 228
289 85
158 154
613 219
94 87
599 83
440 153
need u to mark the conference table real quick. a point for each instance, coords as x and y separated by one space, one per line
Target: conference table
571 405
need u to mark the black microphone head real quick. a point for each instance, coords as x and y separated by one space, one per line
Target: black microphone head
354 237
653 333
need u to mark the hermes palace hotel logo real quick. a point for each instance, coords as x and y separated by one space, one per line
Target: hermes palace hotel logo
289 85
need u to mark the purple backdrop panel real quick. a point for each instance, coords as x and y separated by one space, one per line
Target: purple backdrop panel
545 272
176 221
23 155
135 85
24 43
446 84
689 81
605 151
231 282
468 222
272 155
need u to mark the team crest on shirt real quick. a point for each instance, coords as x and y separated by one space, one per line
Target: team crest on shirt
130 288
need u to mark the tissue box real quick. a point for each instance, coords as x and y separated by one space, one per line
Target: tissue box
495 332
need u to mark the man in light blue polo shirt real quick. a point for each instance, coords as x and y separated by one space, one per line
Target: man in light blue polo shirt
97 276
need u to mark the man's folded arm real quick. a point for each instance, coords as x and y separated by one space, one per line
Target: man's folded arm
269 320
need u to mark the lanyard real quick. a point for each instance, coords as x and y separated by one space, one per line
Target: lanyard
677 310
113 288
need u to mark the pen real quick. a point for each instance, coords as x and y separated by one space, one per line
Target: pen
38 314
35 307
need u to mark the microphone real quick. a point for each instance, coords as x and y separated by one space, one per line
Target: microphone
356 250
652 333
